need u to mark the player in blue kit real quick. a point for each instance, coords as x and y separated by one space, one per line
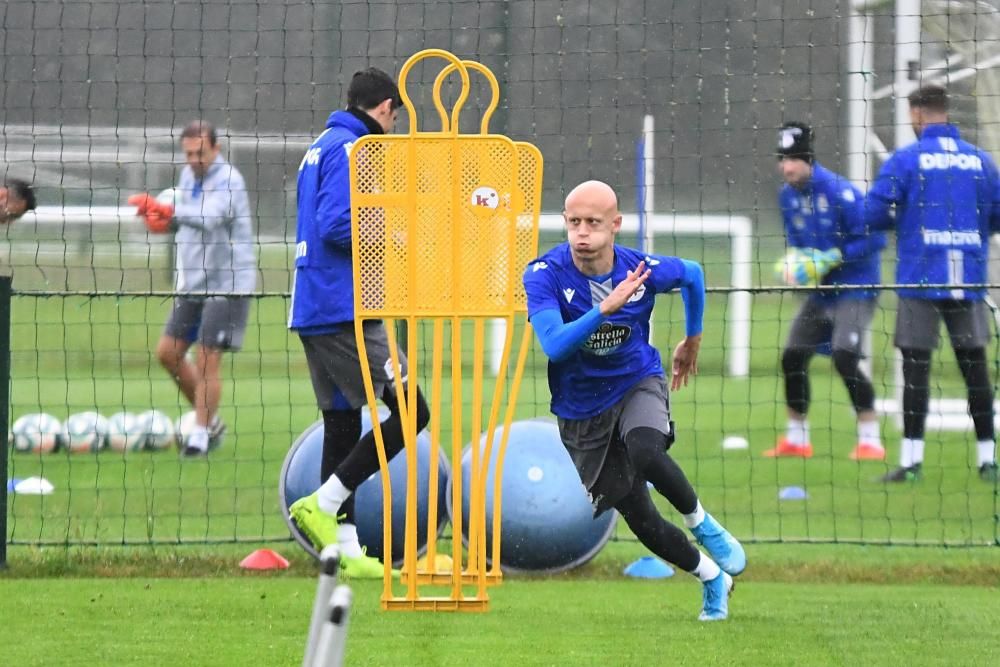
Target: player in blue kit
590 302
946 196
822 214
322 314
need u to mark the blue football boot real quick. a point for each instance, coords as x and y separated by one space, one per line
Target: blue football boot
715 598
721 546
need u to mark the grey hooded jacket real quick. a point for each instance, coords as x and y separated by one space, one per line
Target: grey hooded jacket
214 239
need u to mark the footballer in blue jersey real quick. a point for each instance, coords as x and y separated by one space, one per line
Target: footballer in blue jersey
822 214
590 302
941 195
322 313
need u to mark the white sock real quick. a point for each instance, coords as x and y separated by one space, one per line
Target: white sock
986 450
798 432
911 452
707 568
868 433
696 517
198 439
332 494
347 540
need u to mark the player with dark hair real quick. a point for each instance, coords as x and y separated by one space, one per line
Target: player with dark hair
946 197
590 303
822 215
322 313
215 269
16 198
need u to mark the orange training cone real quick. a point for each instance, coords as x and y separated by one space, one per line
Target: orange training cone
264 559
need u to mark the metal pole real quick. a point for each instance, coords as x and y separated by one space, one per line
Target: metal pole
333 637
5 292
860 86
648 163
907 66
329 563
907 69
860 118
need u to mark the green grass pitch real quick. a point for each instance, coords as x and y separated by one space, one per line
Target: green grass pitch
796 605
164 601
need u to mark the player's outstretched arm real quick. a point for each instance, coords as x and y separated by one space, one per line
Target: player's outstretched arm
561 339
157 215
858 242
685 361
884 196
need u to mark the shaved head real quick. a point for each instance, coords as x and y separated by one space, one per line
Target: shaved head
592 221
596 194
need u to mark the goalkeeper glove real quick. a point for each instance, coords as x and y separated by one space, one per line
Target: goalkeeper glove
157 215
806 266
825 261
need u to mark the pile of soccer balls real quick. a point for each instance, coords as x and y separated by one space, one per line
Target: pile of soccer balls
151 430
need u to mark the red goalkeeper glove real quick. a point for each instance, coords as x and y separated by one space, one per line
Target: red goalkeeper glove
157 215
141 202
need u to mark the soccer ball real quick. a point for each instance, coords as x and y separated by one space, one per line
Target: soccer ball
170 196
157 430
124 432
36 432
85 432
795 269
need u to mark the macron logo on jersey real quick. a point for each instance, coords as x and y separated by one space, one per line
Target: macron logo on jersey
568 293
950 238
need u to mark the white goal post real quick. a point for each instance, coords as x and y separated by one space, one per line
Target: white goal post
971 28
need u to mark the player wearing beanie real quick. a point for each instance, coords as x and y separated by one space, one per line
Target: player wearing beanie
821 211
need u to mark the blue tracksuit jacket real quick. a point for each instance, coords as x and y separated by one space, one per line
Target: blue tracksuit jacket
946 196
323 283
827 214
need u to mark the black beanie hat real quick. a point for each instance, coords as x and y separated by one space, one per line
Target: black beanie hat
795 140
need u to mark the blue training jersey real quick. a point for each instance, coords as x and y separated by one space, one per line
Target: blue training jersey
946 196
616 356
827 214
323 282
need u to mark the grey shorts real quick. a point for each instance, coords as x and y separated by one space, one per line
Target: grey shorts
217 321
842 324
597 444
335 366
918 323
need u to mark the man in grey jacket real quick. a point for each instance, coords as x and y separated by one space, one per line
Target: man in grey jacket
216 270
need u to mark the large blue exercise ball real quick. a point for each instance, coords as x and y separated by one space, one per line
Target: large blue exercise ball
547 522
300 476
